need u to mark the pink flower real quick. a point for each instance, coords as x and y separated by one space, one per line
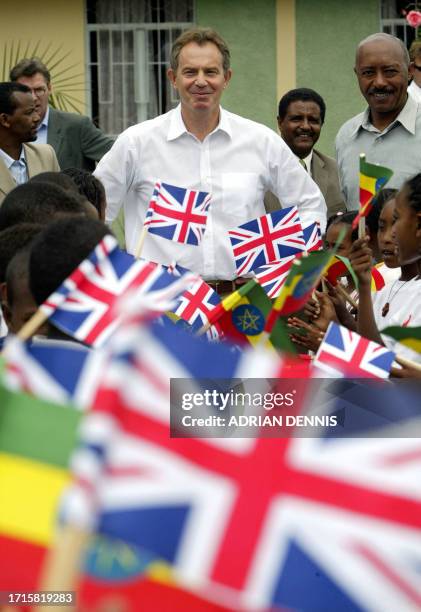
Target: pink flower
414 18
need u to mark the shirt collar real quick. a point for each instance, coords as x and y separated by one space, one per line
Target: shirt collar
407 118
177 127
44 122
9 161
307 160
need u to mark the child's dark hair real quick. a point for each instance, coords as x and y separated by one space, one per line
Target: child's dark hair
346 218
17 271
55 178
58 250
88 186
38 203
413 186
12 240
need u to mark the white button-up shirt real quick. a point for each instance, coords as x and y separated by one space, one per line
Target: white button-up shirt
237 163
17 167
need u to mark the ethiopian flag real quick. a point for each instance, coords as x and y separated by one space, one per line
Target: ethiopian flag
372 178
408 336
241 317
36 439
303 277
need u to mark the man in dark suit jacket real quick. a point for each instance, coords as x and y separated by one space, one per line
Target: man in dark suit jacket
301 114
19 158
75 139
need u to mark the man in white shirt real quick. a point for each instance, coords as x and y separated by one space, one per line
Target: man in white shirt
415 70
198 145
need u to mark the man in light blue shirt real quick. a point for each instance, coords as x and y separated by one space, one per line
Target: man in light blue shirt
389 130
18 125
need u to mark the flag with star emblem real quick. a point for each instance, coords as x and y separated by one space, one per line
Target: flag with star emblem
178 214
241 317
269 238
346 353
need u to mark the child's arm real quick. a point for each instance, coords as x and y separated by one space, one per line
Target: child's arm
361 258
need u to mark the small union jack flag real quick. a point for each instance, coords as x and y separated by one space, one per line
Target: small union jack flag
178 214
85 304
272 276
196 303
268 238
313 237
346 353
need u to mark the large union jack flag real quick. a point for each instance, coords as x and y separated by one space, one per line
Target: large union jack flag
299 524
85 305
346 353
178 214
269 238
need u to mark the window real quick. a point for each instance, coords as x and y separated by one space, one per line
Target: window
393 22
129 43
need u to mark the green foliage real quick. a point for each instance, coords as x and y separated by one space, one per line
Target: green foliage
66 80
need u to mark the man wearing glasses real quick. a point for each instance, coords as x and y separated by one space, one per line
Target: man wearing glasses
415 70
75 139
389 130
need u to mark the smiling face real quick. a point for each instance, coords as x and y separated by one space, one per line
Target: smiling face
199 78
332 234
300 128
383 78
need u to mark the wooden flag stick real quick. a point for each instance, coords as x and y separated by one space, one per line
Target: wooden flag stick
408 363
33 325
63 564
206 327
346 296
141 242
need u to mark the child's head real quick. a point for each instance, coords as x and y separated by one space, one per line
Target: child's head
19 305
58 250
334 227
406 230
372 219
387 247
90 187
38 203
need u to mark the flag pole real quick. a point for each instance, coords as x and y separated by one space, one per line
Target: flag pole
140 242
408 363
62 567
33 325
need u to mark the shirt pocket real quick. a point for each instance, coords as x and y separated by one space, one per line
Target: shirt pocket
240 201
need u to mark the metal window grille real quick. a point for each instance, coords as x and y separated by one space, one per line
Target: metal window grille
129 43
393 22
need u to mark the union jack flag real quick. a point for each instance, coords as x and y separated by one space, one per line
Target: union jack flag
58 371
178 214
313 237
346 353
196 303
300 524
85 305
269 238
272 276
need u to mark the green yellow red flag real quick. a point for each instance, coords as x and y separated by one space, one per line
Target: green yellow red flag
408 336
372 178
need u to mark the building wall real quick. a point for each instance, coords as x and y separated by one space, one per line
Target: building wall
249 27
58 23
327 33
